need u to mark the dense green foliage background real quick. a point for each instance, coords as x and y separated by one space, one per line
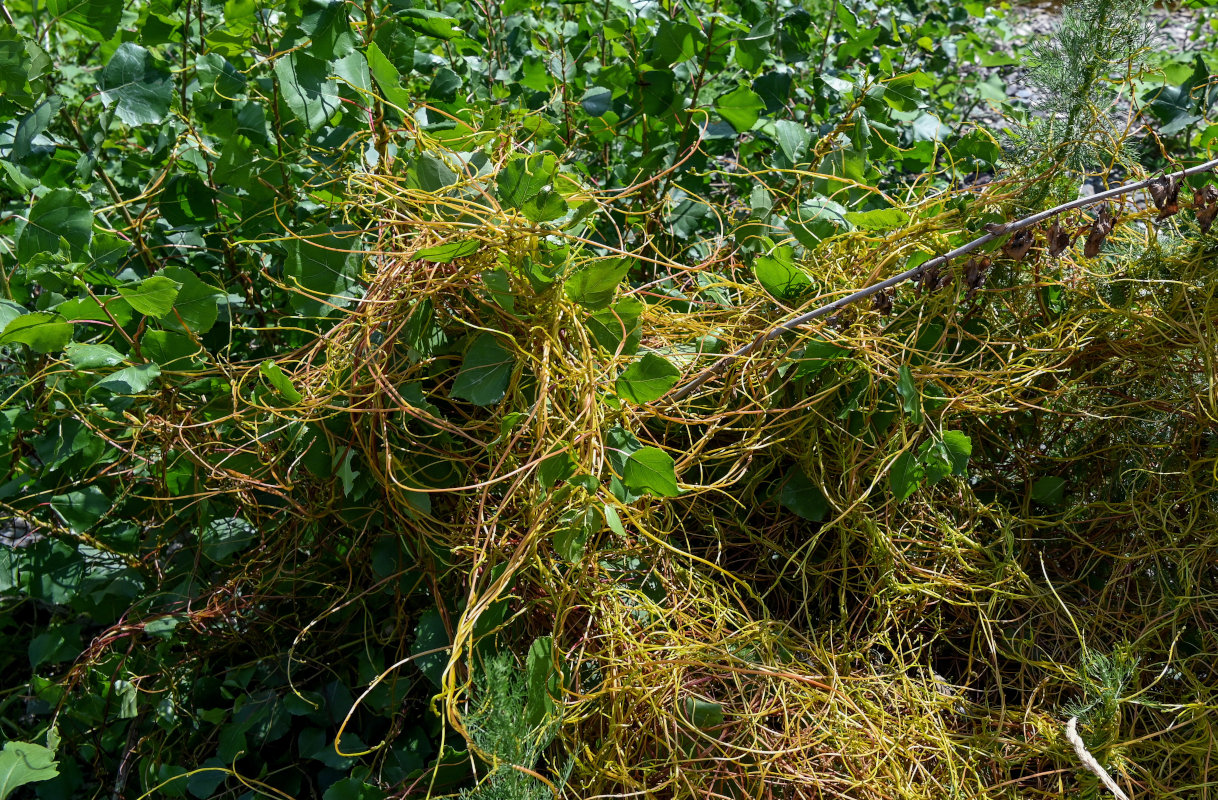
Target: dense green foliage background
201 566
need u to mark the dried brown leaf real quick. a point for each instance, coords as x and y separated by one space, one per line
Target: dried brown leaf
882 302
932 279
975 270
1099 231
1165 192
1060 238
1205 205
1019 244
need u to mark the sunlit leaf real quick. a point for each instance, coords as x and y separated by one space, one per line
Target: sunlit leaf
741 107
152 297
139 91
650 469
647 379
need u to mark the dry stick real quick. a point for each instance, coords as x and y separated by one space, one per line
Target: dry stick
1080 749
997 230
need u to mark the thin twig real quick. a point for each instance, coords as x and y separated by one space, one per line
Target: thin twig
1002 230
1080 749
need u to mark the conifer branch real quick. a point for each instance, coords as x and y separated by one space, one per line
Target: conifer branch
721 363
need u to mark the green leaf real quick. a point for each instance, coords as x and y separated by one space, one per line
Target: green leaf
131 380
703 714
188 203
544 207
544 683
647 379
910 395
499 287
555 467
650 469
597 101
613 520
91 310
803 497
152 297
959 448
573 533
24 762
780 276
979 145
306 88
593 287
617 328
741 107
59 644
431 23
327 25
430 634
904 92
1049 490
933 456
817 354
677 41
449 251
485 372
14 66
323 263
168 349
197 305
905 475
42 331
139 92
9 311
656 87
793 139
817 219
352 789
523 177
929 128
280 381
92 356
61 213
216 73
881 219
81 509
32 125
1208 137
387 77
225 537
430 174
96 19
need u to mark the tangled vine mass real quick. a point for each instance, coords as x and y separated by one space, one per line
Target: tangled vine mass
490 478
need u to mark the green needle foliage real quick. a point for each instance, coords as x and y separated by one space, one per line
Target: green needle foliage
497 722
1077 126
